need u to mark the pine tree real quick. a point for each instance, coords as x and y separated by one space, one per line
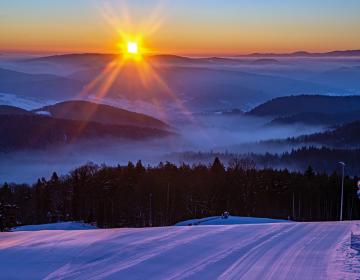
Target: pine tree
7 209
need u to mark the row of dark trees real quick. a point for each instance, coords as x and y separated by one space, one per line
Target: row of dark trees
321 159
138 196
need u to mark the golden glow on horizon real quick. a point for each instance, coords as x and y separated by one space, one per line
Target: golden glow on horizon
184 29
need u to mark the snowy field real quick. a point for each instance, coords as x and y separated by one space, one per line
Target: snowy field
252 251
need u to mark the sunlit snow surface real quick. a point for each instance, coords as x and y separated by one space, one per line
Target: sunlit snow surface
252 251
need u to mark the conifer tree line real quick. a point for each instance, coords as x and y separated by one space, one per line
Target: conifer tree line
138 196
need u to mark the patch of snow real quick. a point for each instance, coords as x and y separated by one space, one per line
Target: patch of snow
345 261
231 220
43 113
56 226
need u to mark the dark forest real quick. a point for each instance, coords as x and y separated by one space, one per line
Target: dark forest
138 196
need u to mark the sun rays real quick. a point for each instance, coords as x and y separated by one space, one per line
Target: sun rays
132 53
133 66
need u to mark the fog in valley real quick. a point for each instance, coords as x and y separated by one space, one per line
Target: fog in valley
207 104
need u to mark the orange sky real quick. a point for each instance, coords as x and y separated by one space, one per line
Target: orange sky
200 27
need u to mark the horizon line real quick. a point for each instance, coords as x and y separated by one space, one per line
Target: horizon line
240 54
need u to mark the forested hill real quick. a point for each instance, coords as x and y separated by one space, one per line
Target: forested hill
293 105
36 131
345 136
322 160
326 119
90 111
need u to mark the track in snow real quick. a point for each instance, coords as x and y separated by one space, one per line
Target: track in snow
260 251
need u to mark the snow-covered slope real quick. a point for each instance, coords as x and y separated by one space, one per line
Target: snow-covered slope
55 226
231 220
258 251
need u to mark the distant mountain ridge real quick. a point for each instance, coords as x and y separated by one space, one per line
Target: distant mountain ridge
178 58
96 59
91 59
306 54
84 59
199 83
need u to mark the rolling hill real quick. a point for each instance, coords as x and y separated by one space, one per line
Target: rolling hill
12 110
22 132
94 112
345 136
311 118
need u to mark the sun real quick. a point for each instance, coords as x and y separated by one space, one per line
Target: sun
132 47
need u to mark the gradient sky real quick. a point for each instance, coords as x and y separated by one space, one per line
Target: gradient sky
180 26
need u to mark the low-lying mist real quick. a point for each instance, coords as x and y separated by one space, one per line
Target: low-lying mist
235 134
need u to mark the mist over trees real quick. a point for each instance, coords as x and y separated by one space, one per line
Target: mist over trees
139 196
321 159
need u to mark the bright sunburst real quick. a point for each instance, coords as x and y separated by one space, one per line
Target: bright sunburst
133 60
132 47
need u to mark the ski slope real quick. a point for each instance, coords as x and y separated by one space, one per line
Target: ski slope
251 251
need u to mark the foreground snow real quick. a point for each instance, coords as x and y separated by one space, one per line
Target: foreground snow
55 226
231 220
255 251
